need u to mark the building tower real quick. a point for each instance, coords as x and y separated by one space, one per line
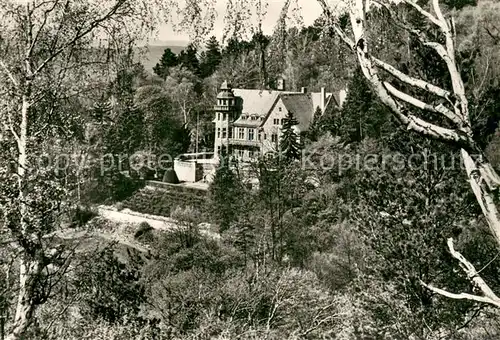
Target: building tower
225 114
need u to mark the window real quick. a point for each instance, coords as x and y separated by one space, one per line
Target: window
265 136
276 121
274 138
218 132
279 109
218 149
230 133
241 133
224 133
251 133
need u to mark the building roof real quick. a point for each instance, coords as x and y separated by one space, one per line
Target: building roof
301 105
257 104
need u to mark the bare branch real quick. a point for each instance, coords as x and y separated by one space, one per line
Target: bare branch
336 27
426 14
42 25
481 180
461 296
441 109
9 74
489 296
422 84
81 34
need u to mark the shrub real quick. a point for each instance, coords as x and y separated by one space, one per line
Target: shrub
170 177
144 228
82 215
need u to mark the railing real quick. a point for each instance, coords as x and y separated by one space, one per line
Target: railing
244 142
224 108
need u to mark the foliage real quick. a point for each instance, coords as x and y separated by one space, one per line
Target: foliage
168 59
211 58
112 289
362 116
227 197
290 143
82 215
188 59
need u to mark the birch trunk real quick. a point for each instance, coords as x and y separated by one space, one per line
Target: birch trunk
27 268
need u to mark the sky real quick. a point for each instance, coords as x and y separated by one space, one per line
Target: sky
310 11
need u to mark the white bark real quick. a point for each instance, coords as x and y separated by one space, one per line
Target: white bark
488 297
478 180
482 177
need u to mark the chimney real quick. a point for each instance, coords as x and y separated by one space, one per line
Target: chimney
342 97
323 100
303 90
280 84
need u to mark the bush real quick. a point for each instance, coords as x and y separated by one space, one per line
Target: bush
82 215
147 173
144 228
170 177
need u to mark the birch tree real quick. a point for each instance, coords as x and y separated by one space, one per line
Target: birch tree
453 107
51 53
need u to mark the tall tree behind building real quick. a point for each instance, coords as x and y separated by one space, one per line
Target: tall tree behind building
168 59
211 58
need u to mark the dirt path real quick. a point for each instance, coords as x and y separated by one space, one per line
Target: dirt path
157 222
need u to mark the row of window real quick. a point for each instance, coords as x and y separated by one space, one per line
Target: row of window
251 134
241 153
225 102
224 116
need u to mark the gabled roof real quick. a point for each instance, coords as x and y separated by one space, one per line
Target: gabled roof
259 103
301 105
256 103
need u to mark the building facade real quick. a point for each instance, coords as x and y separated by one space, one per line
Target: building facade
248 123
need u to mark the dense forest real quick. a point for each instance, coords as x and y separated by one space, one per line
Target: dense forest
369 228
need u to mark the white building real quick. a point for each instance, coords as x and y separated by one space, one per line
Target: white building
248 123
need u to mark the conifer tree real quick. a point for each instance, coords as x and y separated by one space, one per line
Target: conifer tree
211 58
290 143
168 59
315 129
362 116
188 59
226 197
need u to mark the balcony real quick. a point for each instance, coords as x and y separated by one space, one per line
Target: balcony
244 142
224 108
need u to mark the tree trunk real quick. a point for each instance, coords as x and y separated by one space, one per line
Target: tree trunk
483 179
27 268
25 306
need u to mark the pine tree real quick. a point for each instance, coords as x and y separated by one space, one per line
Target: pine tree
315 129
362 115
168 59
188 59
290 144
226 197
211 58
